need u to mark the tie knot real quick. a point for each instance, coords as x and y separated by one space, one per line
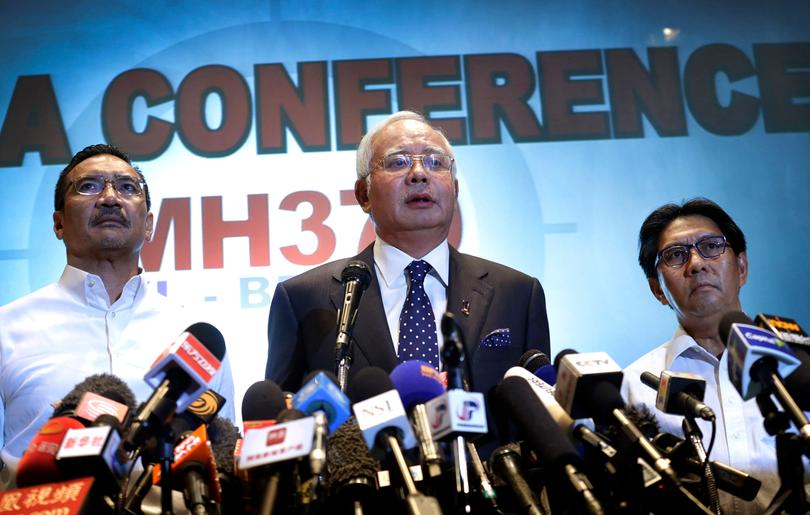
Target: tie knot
417 270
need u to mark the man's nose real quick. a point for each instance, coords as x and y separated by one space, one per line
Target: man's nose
417 173
109 194
696 262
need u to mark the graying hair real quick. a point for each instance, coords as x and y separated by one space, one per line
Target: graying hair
365 151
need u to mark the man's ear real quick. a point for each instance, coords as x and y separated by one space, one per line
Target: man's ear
361 194
655 288
150 219
742 267
58 228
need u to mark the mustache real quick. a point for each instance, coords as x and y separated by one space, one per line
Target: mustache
107 212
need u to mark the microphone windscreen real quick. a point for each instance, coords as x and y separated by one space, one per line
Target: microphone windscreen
356 271
106 385
603 399
210 337
536 424
547 373
367 383
417 382
223 436
347 458
290 414
560 355
262 401
732 317
644 419
533 359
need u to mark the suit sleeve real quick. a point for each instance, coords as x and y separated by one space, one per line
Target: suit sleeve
284 359
537 333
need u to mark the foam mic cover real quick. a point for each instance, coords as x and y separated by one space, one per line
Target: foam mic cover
321 393
752 349
352 470
417 382
262 401
38 464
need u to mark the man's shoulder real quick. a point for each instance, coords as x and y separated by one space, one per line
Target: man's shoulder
316 276
492 268
31 300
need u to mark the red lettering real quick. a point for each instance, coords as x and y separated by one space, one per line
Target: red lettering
324 235
190 112
174 212
256 228
354 102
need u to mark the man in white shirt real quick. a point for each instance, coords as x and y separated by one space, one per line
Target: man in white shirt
695 261
101 316
406 182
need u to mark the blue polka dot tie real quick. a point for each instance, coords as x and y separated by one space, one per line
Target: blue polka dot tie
417 324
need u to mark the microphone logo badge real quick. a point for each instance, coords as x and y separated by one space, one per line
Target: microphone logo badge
93 406
467 409
276 436
438 416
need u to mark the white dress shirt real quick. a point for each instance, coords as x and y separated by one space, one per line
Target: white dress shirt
741 440
389 265
53 338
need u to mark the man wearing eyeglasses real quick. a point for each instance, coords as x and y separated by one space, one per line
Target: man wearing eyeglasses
101 316
406 182
694 258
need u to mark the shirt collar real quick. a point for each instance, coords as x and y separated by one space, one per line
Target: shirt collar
683 345
391 262
89 289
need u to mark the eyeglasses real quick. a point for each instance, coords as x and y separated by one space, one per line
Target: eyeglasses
676 256
123 185
435 163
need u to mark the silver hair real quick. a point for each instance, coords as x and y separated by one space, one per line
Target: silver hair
365 151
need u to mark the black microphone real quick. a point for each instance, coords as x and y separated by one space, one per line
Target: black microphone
679 393
540 430
506 464
790 332
352 470
356 277
263 401
179 375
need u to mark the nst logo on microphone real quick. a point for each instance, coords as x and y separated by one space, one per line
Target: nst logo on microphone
457 412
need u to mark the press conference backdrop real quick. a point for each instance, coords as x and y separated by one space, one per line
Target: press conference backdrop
571 121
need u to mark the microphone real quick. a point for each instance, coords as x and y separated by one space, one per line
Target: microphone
536 362
588 384
179 375
111 388
506 463
381 418
356 277
194 472
545 394
679 393
540 430
224 437
418 382
352 470
262 403
38 464
453 354
321 393
788 330
758 361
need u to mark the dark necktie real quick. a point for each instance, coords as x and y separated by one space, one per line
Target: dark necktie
417 324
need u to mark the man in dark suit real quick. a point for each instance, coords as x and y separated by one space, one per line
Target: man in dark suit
406 182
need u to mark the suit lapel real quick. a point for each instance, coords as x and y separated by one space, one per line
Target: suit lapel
372 339
468 293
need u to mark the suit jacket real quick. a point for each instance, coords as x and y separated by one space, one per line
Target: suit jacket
303 320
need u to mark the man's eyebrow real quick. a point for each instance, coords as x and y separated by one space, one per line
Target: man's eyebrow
682 243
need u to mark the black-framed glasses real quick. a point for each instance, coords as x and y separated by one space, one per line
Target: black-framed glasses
710 247
124 185
401 162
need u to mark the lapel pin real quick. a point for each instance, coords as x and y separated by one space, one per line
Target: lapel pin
465 307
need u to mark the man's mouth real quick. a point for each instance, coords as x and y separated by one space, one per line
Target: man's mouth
420 199
110 220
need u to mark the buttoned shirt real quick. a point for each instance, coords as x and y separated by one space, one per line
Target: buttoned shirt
740 441
53 338
389 265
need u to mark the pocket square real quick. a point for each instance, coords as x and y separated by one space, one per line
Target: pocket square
498 338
